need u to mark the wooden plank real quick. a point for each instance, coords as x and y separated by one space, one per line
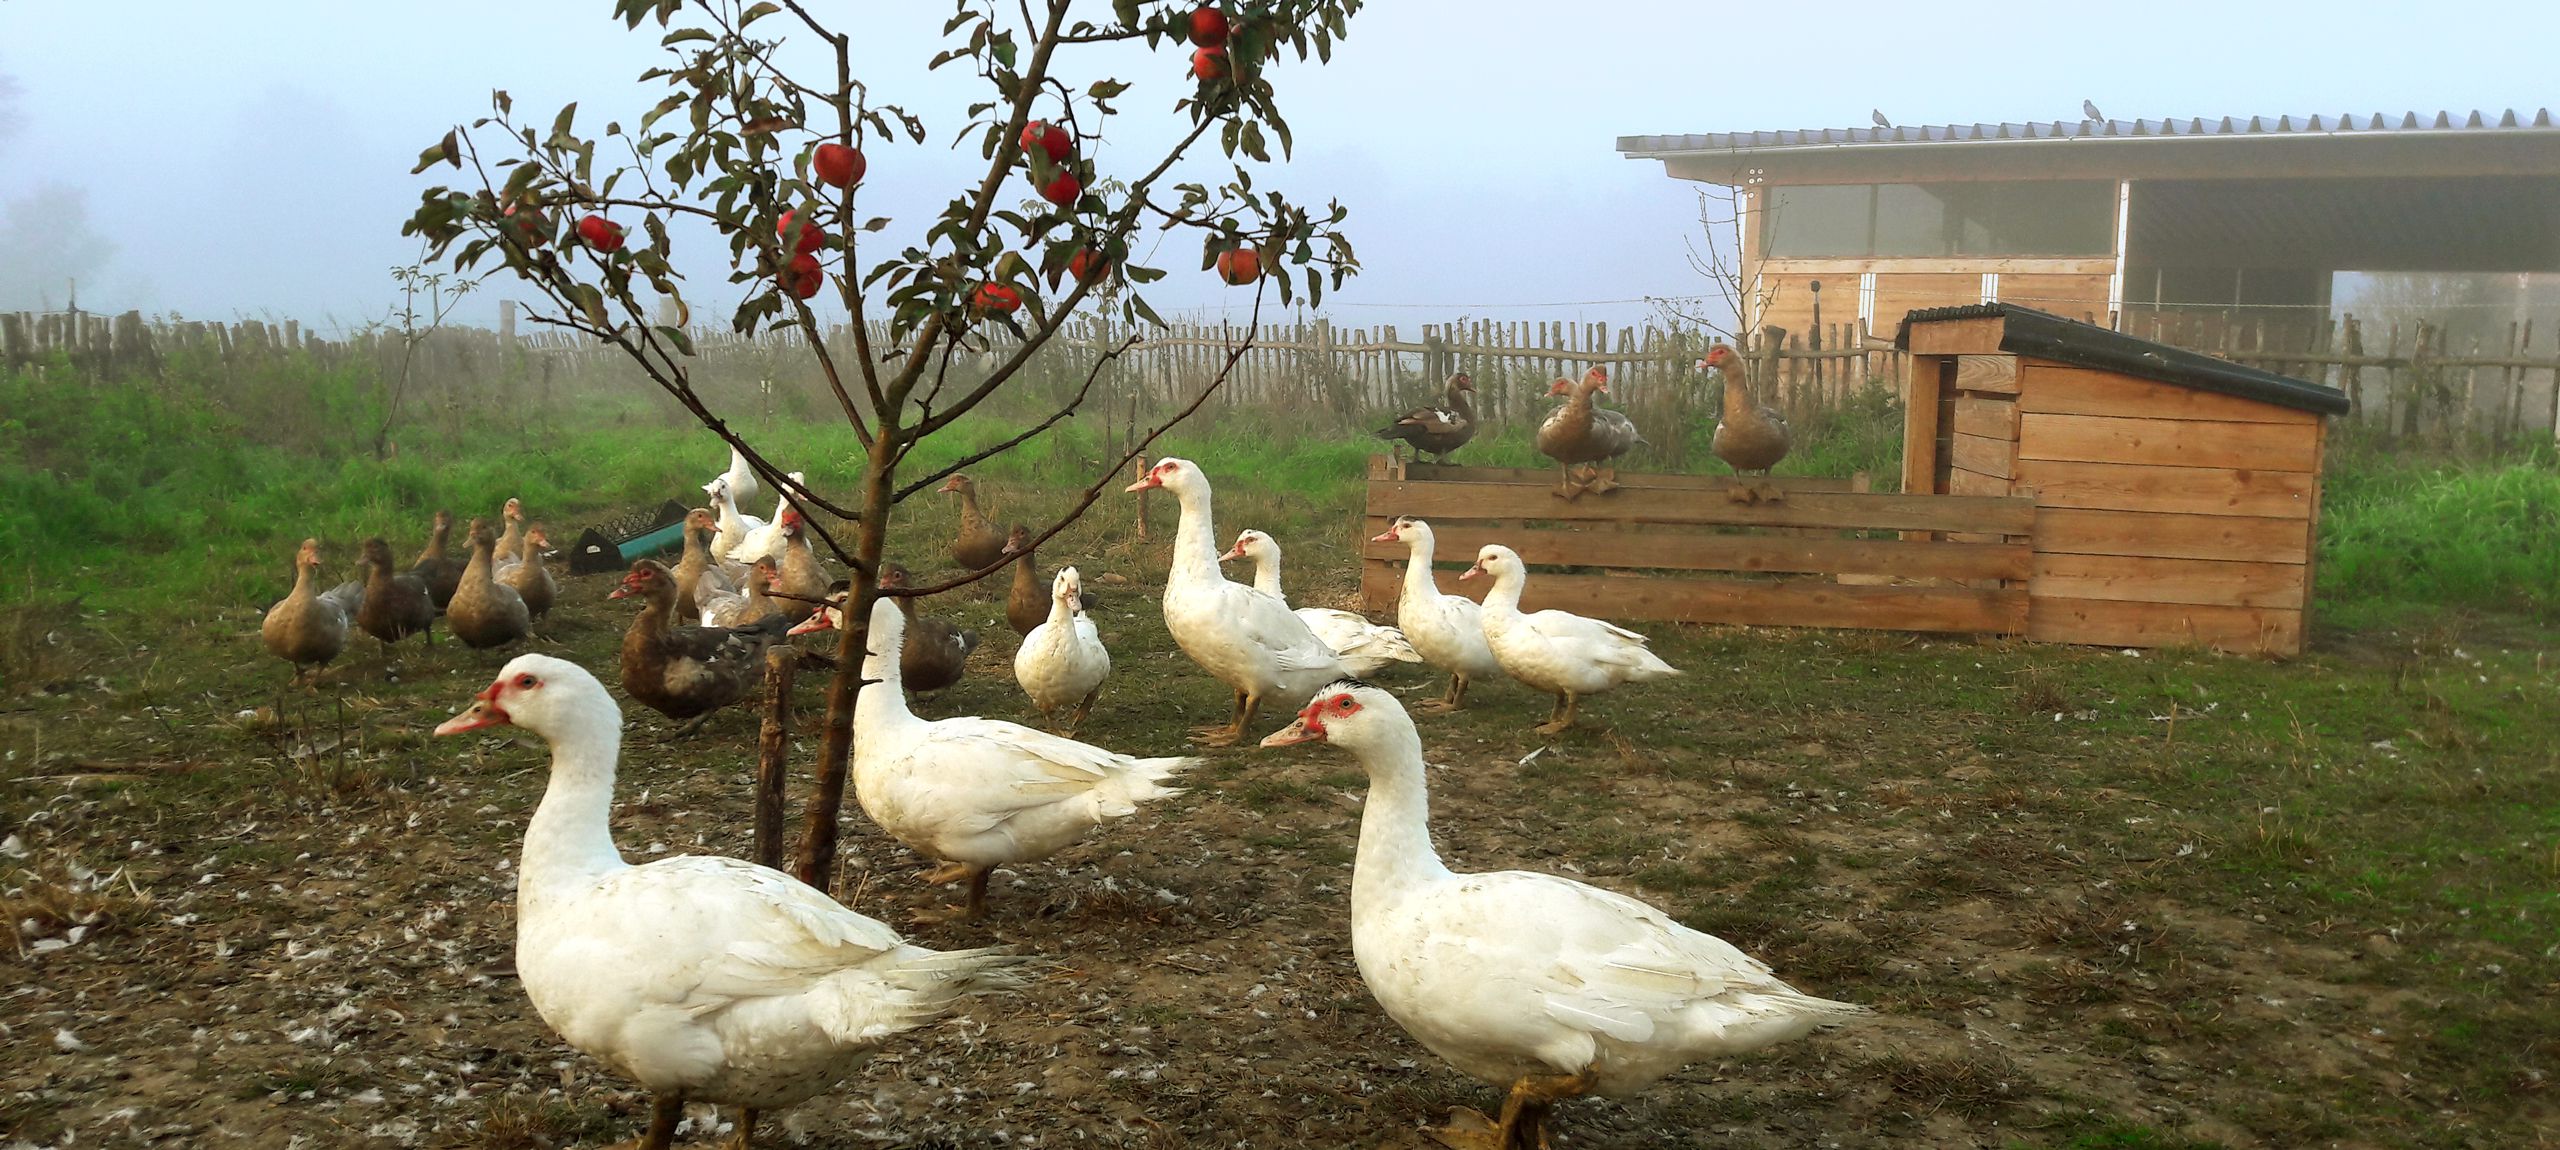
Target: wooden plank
1991 373
2109 623
2071 531
2054 389
1832 509
1958 336
1987 417
1547 476
1984 455
2145 579
2172 442
1963 482
2311 528
1921 384
2180 490
1750 602
1606 545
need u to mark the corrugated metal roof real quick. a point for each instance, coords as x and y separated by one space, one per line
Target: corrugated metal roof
2049 336
2377 124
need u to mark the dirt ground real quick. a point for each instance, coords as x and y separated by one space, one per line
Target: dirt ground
264 917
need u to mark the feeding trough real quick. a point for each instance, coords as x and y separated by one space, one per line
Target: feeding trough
613 546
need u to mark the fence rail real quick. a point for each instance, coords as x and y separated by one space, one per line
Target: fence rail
2402 377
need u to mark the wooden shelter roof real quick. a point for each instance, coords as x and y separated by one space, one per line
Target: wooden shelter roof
2026 331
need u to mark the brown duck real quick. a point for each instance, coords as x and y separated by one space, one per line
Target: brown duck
685 672
394 606
1581 432
737 608
531 577
308 628
485 612
510 541
937 652
803 581
697 565
979 545
1750 436
1026 605
436 566
1442 428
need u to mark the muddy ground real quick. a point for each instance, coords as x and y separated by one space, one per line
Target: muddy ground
256 916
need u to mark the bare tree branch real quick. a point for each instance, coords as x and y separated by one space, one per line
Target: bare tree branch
1111 473
977 457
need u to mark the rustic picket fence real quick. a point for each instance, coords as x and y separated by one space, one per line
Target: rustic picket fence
2403 378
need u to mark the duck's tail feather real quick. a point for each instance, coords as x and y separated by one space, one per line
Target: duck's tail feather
910 987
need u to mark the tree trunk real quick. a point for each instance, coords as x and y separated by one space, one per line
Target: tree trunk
816 861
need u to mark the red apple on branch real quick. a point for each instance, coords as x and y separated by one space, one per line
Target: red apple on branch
811 239
996 297
1050 138
601 234
803 278
1208 27
837 164
1240 267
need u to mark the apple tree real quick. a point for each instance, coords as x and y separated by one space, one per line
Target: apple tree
768 144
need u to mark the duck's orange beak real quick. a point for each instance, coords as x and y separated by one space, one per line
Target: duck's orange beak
1473 571
484 711
1308 729
1386 536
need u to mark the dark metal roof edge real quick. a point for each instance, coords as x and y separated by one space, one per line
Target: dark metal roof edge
2049 336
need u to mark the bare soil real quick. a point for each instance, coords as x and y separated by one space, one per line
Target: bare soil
259 916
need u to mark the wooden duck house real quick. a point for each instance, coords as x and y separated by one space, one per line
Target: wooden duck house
2177 496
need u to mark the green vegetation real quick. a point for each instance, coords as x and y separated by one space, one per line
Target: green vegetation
2402 531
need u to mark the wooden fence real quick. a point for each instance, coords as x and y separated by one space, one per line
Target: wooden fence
1954 563
2402 377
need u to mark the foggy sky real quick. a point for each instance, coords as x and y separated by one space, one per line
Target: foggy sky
252 158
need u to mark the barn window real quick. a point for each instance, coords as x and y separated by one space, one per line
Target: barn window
1888 221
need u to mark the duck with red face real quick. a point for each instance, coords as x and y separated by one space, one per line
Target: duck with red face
704 978
1552 987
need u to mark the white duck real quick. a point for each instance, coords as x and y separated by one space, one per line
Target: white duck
980 793
1245 638
768 536
1446 630
1558 652
734 525
707 979
740 479
1552 987
1366 648
1062 662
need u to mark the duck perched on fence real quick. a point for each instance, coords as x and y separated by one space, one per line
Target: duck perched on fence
1441 428
1750 435
1582 432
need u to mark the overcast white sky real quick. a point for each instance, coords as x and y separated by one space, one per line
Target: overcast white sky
252 158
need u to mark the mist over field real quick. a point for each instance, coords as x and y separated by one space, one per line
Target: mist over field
222 161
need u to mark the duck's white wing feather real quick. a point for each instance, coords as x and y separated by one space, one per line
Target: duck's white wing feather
1594 959
1265 620
775 935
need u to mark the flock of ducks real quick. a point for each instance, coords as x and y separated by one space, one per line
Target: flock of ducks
1583 437
488 600
715 980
